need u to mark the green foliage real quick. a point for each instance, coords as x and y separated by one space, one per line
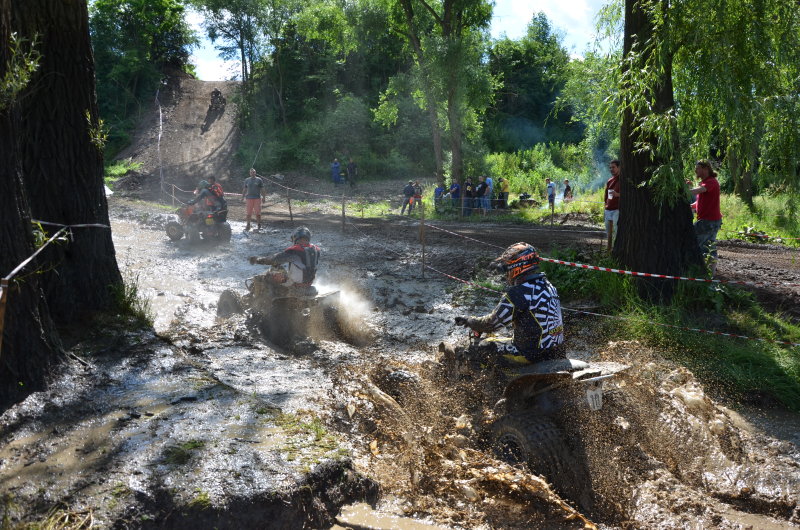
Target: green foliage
119 169
21 67
130 304
134 42
533 71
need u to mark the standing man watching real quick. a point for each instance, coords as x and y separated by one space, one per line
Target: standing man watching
253 195
551 193
352 172
709 217
455 194
612 203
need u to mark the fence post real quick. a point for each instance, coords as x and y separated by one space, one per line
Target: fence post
173 195
552 212
343 217
289 201
422 234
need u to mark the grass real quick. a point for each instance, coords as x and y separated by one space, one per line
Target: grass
119 169
201 500
309 440
736 366
180 454
771 216
130 304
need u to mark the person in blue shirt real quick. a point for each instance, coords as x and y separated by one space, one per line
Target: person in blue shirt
335 168
455 194
438 194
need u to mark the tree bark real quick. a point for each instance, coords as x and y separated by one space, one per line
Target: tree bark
653 236
427 89
30 343
62 163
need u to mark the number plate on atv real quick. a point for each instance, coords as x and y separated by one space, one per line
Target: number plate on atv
594 395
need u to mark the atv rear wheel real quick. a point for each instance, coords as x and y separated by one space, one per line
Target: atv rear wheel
527 438
174 230
193 234
224 233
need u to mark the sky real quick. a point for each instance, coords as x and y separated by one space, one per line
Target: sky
575 19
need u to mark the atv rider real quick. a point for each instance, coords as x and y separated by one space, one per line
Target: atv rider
215 95
208 197
530 304
298 266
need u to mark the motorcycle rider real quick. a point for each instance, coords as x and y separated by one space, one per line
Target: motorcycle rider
297 265
531 305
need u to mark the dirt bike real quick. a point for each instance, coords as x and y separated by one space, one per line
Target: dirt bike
284 315
537 399
217 102
198 225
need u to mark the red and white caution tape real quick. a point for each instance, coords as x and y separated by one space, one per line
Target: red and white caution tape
626 272
497 291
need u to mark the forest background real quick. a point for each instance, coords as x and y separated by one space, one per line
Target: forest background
421 90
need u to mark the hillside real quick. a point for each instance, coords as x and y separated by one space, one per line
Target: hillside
196 143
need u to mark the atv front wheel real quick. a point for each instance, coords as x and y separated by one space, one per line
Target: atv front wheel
229 303
525 438
174 230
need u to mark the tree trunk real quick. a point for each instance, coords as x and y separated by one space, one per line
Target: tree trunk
62 162
29 341
454 119
430 99
653 236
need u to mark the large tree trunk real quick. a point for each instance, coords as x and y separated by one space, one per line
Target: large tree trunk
62 161
653 236
29 341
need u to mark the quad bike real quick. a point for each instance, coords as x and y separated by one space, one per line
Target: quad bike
217 102
199 224
537 399
284 315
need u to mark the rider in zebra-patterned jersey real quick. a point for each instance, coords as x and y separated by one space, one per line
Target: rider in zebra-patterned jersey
531 305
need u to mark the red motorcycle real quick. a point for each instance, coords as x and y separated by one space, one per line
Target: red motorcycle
198 225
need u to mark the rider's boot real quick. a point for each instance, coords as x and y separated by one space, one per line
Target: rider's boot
246 228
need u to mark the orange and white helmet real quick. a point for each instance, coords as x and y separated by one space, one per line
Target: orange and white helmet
518 260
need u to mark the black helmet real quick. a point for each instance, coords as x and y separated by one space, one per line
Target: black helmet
203 184
301 232
518 261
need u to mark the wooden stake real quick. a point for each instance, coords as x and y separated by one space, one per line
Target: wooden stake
422 234
173 195
289 201
344 219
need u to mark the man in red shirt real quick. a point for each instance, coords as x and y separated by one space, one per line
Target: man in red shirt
709 217
612 203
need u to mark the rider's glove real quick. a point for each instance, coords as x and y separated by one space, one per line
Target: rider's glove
253 260
461 321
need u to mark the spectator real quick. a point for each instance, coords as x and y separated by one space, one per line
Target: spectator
352 173
709 217
567 191
455 194
438 195
487 197
335 168
469 196
480 194
253 196
408 198
503 200
417 194
612 204
551 193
